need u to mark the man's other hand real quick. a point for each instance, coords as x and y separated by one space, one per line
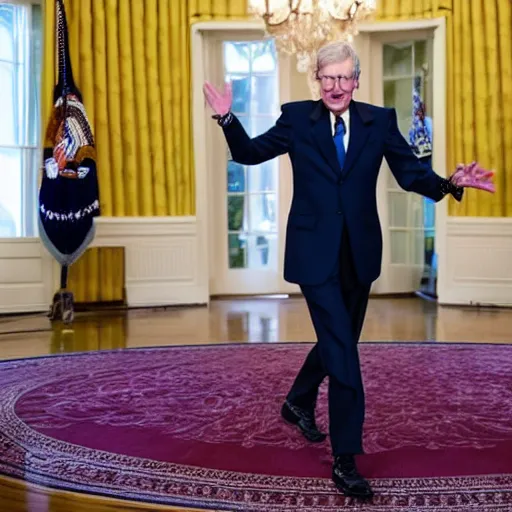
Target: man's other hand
473 176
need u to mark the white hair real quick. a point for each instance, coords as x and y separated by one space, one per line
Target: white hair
333 53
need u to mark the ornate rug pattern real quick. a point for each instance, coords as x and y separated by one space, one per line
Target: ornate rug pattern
200 427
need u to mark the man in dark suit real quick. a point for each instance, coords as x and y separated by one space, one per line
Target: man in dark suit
333 240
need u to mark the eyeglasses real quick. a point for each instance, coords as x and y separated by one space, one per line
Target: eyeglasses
328 81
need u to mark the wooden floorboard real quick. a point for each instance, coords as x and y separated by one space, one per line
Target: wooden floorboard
232 320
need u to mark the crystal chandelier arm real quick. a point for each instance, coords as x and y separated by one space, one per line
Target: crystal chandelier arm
351 12
268 15
264 147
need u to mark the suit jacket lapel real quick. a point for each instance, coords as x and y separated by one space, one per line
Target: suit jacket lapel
322 133
360 121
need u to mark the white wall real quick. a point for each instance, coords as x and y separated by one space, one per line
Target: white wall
25 276
163 258
475 267
163 264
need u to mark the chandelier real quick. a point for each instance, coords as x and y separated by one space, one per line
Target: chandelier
301 27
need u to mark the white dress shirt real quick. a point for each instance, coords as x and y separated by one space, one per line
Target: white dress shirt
346 118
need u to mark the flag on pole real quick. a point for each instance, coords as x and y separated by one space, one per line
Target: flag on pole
420 138
69 192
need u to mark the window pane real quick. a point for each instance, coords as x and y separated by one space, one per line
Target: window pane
34 86
264 56
262 251
6 32
236 251
8 105
246 123
398 95
241 94
265 94
420 57
236 177
236 213
263 177
397 209
11 170
399 246
429 213
397 59
19 192
263 213
418 248
236 57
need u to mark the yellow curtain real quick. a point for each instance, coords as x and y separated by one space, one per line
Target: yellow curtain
480 97
204 10
99 276
131 61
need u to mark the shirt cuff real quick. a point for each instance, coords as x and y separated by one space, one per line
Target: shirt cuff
447 187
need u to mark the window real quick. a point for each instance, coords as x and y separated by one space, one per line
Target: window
20 83
252 191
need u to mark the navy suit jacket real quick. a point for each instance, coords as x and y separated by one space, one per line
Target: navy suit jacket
326 198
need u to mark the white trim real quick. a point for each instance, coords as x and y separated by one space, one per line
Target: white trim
397 26
25 278
220 26
22 2
388 32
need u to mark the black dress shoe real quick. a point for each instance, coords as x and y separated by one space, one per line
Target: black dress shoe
305 420
348 480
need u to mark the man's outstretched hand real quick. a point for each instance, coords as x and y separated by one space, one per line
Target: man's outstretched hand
220 102
473 176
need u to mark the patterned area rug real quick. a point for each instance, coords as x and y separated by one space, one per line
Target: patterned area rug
200 427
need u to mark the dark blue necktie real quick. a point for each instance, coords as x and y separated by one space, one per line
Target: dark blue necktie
339 127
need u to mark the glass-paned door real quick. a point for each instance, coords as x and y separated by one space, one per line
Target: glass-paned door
246 227
406 86
251 195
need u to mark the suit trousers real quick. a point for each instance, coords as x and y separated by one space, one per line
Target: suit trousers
337 308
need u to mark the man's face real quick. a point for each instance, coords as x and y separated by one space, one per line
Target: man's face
337 84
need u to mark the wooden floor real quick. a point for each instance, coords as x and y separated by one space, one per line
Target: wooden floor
223 321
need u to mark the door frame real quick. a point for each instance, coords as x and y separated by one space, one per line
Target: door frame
200 119
437 27
198 30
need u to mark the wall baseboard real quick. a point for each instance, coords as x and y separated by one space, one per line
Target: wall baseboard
163 264
477 263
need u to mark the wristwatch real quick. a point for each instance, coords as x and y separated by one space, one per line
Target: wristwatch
223 120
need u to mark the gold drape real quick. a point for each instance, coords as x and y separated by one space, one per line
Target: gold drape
480 97
131 61
204 10
99 276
